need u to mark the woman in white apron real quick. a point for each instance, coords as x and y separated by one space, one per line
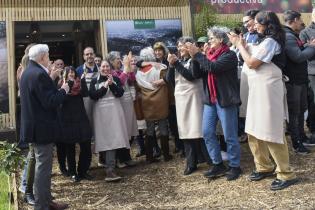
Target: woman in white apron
109 121
188 100
266 101
127 79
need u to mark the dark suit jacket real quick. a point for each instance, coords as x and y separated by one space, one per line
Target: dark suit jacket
40 101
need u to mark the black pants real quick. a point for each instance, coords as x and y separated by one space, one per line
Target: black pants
297 104
172 120
311 105
196 152
85 158
62 155
123 155
190 146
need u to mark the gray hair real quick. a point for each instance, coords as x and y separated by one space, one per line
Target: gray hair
37 51
113 55
220 33
185 39
147 54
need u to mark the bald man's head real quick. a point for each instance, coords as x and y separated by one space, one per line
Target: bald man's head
59 64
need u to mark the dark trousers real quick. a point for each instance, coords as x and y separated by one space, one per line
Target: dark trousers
62 155
297 105
85 158
123 155
172 120
190 146
311 104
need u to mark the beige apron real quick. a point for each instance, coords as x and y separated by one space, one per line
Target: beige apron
189 106
109 124
266 102
130 115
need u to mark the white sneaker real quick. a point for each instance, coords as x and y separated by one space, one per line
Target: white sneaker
99 164
121 165
111 176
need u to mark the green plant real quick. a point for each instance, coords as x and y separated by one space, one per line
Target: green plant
4 191
10 157
205 18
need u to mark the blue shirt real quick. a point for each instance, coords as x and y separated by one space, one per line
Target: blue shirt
251 37
80 69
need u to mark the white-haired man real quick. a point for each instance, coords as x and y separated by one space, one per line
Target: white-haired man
40 125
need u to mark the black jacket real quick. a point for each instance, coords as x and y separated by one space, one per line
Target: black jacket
75 123
186 73
225 71
40 102
297 56
307 35
115 88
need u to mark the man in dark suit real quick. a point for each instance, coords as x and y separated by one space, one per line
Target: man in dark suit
40 125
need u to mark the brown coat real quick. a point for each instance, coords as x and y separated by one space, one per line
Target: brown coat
152 104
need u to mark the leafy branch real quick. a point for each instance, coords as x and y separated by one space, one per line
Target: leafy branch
10 157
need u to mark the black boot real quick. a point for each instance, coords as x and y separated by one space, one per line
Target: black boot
165 148
149 149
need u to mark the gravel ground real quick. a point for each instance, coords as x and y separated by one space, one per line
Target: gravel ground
163 186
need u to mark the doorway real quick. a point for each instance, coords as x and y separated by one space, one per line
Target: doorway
66 39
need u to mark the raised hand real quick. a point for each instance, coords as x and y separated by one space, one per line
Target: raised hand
172 58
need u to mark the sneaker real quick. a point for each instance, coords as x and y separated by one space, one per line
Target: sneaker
99 164
256 176
121 165
22 189
309 141
278 184
111 176
233 173
300 149
217 170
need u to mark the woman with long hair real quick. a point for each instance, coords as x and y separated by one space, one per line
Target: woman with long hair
266 100
75 126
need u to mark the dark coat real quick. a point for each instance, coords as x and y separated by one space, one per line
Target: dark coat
297 56
75 123
40 101
225 71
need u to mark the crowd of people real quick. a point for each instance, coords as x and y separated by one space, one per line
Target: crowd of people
213 94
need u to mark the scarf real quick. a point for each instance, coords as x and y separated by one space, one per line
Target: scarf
213 55
76 88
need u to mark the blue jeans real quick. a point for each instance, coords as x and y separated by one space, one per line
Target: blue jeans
229 121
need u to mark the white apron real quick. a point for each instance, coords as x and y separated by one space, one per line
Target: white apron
266 102
109 124
243 93
129 112
189 106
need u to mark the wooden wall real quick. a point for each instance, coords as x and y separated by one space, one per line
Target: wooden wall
44 10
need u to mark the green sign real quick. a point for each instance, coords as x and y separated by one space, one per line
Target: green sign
144 24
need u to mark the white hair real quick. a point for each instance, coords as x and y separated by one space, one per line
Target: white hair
37 51
147 54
